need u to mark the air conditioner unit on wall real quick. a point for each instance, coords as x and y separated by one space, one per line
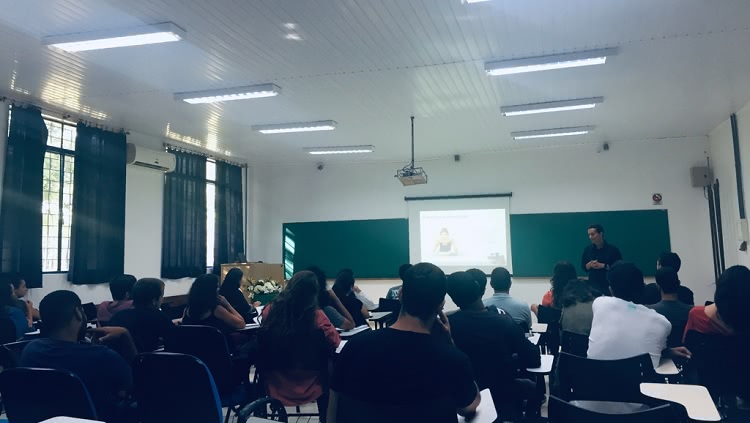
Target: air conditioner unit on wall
152 159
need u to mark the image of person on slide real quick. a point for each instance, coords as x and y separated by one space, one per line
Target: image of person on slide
445 246
598 257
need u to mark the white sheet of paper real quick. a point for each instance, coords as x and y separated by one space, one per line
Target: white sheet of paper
486 412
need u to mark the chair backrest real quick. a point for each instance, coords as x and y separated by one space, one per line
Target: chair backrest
7 329
90 310
354 410
173 387
604 380
716 362
209 345
561 411
551 338
385 304
55 393
304 352
574 343
11 352
173 311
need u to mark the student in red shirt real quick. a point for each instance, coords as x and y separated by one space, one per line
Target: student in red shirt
727 315
563 273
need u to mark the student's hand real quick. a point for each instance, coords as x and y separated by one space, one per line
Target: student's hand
443 323
590 264
30 304
598 265
680 352
356 289
109 333
222 301
257 304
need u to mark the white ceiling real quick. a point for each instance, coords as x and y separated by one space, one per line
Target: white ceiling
683 66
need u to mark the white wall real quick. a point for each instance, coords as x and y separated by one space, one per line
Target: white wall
564 179
722 162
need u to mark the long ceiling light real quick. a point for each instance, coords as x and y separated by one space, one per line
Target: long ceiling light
542 63
84 41
322 125
551 106
229 94
349 149
548 133
473 1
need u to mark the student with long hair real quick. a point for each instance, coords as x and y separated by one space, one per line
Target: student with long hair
343 287
206 307
14 313
230 289
293 326
330 303
563 273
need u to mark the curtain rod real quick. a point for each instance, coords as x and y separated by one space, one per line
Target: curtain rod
182 149
63 115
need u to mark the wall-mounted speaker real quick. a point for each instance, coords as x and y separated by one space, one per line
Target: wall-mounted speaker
701 176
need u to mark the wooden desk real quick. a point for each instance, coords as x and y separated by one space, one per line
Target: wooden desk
380 317
539 327
534 339
667 367
546 367
696 399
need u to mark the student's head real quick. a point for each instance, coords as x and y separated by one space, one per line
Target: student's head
148 293
732 292
423 293
403 269
19 285
231 281
62 313
463 289
578 291
626 281
6 295
596 233
668 259
343 285
294 308
323 298
480 277
121 286
346 270
563 273
202 294
500 280
666 278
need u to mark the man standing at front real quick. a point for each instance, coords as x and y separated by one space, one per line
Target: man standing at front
598 258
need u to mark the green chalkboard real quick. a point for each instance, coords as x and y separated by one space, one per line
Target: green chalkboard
372 248
538 241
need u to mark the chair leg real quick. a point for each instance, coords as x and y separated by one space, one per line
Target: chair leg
229 413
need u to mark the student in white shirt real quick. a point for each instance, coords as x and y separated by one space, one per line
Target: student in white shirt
623 329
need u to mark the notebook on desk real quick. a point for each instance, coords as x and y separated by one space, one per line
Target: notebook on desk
354 331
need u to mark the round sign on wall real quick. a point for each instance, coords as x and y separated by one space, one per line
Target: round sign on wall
656 198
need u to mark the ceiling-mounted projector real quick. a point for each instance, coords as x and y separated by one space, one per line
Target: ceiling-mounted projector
409 174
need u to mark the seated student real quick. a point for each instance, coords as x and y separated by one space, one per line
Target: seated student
207 308
330 303
577 307
621 329
563 273
343 287
413 366
393 293
147 324
728 314
496 346
19 292
230 289
652 295
293 316
105 373
8 303
358 292
518 310
480 277
120 288
669 306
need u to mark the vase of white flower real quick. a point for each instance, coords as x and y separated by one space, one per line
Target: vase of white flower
263 290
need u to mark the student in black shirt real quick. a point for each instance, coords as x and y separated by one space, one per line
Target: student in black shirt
343 287
230 289
652 294
495 344
147 324
669 306
415 372
598 257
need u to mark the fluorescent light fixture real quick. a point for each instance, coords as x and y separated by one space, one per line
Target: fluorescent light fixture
472 1
548 133
551 106
322 125
84 41
229 94
348 149
542 63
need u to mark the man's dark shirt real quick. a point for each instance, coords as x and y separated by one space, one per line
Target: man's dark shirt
607 255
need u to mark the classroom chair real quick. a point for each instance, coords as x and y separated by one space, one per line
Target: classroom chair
231 375
550 340
561 411
7 330
574 343
172 387
349 409
265 408
55 393
718 363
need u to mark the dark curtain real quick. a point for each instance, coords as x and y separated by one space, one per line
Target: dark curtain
229 239
21 210
97 243
183 252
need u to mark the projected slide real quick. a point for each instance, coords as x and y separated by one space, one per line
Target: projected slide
459 239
